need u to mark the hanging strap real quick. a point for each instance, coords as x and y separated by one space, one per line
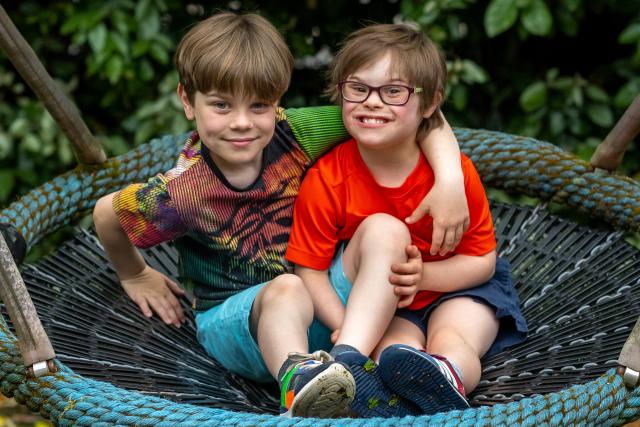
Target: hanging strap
629 360
85 146
35 347
610 152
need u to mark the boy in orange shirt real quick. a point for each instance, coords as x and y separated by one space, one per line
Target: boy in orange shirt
390 80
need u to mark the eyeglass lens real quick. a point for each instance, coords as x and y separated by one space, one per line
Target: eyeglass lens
390 94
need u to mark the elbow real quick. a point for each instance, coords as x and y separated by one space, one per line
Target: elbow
490 260
103 213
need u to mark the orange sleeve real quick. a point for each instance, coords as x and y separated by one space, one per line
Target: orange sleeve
479 239
314 234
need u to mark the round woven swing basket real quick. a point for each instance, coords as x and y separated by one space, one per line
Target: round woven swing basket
578 286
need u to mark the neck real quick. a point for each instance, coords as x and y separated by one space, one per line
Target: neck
391 166
239 175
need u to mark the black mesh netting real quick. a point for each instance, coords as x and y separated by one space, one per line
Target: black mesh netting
579 289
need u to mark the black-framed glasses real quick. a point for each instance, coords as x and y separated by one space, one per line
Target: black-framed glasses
389 94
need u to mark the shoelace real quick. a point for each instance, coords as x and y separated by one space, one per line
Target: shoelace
319 355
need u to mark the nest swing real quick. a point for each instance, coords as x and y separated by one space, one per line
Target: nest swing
579 287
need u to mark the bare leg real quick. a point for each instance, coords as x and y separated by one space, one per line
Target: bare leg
280 317
379 241
462 330
400 331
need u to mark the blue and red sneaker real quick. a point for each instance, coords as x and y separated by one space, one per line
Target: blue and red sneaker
428 380
316 386
373 398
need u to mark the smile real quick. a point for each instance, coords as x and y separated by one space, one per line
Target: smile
373 120
240 142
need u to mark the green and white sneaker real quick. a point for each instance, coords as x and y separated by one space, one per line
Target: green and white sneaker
316 386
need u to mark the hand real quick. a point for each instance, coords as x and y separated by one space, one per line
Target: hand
155 292
334 336
407 276
447 205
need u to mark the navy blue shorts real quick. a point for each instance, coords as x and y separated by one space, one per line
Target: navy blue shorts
499 294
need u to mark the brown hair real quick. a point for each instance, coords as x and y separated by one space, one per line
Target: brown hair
413 55
239 54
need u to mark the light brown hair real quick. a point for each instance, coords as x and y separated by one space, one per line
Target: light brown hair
414 57
239 54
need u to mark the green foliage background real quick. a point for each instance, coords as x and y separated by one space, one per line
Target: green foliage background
561 70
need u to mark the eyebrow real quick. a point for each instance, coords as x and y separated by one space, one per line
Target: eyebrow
388 82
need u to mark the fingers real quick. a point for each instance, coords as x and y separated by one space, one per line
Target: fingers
166 308
437 238
144 307
417 214
173 286
406 301
334 336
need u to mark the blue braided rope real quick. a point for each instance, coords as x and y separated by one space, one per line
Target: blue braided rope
73 194
72 400
516 164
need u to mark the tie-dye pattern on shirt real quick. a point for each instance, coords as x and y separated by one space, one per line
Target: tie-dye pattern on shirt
228 240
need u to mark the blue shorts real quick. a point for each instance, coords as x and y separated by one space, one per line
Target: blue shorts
499 294
224 330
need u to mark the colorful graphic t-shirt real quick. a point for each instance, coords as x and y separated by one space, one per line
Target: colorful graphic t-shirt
339 192
228 239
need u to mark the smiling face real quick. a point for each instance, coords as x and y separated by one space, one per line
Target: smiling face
374 124
235 129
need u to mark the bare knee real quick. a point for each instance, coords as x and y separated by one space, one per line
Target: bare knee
285 289
383 229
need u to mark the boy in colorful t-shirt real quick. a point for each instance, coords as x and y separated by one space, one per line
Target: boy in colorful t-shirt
228 205
348 231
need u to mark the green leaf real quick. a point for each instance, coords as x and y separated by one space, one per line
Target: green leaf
533 97
159 53
630 35
114 68
557 123
473 73
98 38
596 93
500 16
626 94
459 97
30 144
537 18
7 182
5 145
576 96
121 44
600 114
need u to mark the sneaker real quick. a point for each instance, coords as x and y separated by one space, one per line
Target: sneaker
428 380
316 386
373 398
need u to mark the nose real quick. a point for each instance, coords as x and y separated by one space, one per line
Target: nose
374 100
241 120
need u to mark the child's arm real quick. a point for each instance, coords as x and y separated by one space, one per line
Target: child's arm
469 271
150 289
446 203
326 303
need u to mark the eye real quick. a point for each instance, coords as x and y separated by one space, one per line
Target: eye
394 90
356 87
260 107
221 105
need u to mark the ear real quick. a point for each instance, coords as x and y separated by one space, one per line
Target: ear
437 100
186 104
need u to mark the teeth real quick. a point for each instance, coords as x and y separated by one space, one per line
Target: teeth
372 120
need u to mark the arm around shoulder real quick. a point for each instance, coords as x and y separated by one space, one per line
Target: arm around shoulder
446 201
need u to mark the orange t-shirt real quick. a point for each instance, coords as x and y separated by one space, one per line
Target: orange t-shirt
339 192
